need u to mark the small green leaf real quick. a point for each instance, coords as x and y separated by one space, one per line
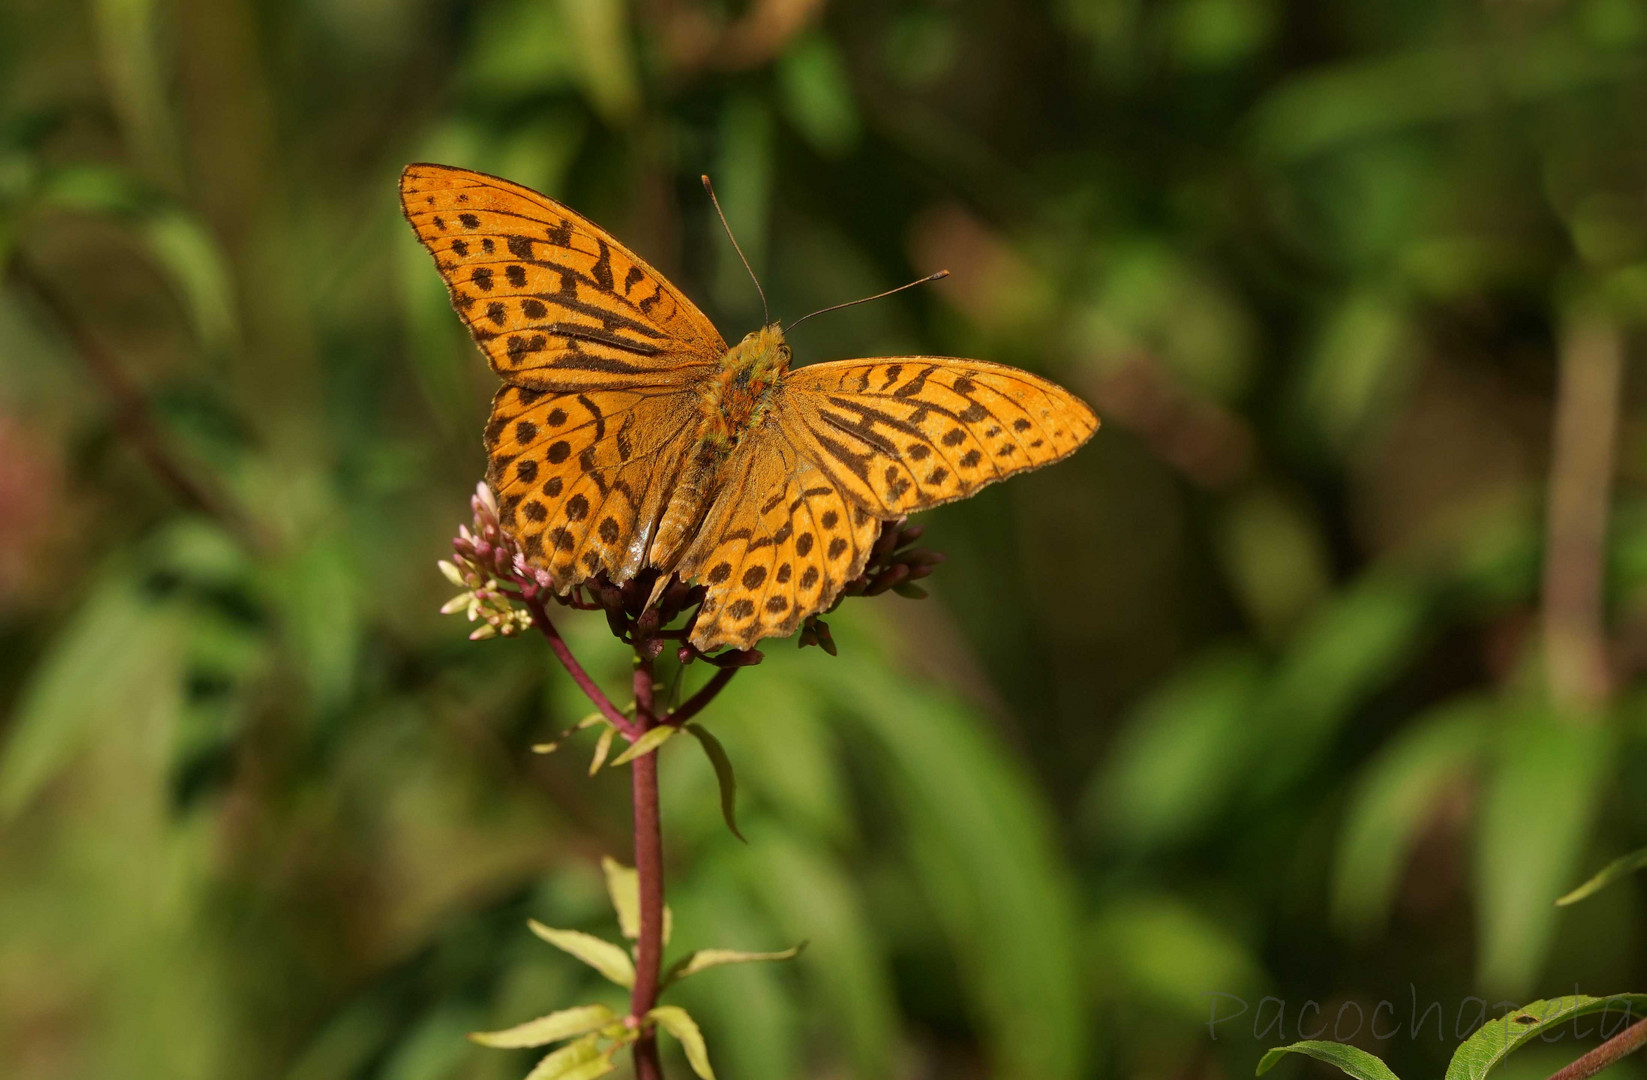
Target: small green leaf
623 886
674 1019
1614 870
608 959
646 744
1353 1060
602 748
600 1065
703 959
1487 1047
547 1029
723 774
554 744
559 1064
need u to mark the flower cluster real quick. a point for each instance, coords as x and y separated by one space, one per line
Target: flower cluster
483 558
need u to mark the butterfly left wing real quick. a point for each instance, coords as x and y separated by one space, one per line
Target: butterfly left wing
777 545
582 478
900 434
554 300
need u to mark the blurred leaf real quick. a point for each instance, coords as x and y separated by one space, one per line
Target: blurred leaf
646 744
1158 949
199 273
600 46
1275 558
809 896
1181 753
1541 798
1627 864
743 183
117 662
816 93
548 1029
1220 33
1352 1059
559 1063
1338 658
982 844
129 46
316 588
1394 799
724 777
1478 1054
608 959
1362 359
704 959
675 1020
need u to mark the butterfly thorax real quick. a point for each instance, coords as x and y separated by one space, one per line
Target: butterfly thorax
737 396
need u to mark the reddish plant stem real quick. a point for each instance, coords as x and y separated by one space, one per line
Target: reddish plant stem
1624 1044
649 871
695 704
540 618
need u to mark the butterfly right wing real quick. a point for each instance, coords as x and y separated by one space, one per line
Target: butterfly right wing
905 433
777 545
553 300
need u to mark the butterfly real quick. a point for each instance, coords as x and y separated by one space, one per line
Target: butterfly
627 435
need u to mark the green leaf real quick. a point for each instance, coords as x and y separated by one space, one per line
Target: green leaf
1490 1045
554 744
1182 754
117 664
603 746
608 959
599 1065
1614 870
1396 796
1537 810
547 1029
716 753
703 959
559 1064
646 744
674 1019
623 886
1353 1060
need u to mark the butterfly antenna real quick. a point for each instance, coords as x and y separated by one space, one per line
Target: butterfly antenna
766 314
940 275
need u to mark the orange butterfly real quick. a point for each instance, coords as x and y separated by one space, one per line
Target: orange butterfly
627 435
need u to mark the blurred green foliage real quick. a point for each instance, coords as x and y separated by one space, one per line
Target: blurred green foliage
1271 690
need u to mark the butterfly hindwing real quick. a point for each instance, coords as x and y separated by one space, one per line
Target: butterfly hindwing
581 478
777 546
553 300
899 434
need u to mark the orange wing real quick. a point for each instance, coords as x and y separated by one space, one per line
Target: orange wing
777 545
582 478
900 434
553 300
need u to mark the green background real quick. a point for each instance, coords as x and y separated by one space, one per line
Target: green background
1315 675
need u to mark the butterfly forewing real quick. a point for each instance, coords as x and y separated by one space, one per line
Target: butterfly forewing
901 434
553 300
